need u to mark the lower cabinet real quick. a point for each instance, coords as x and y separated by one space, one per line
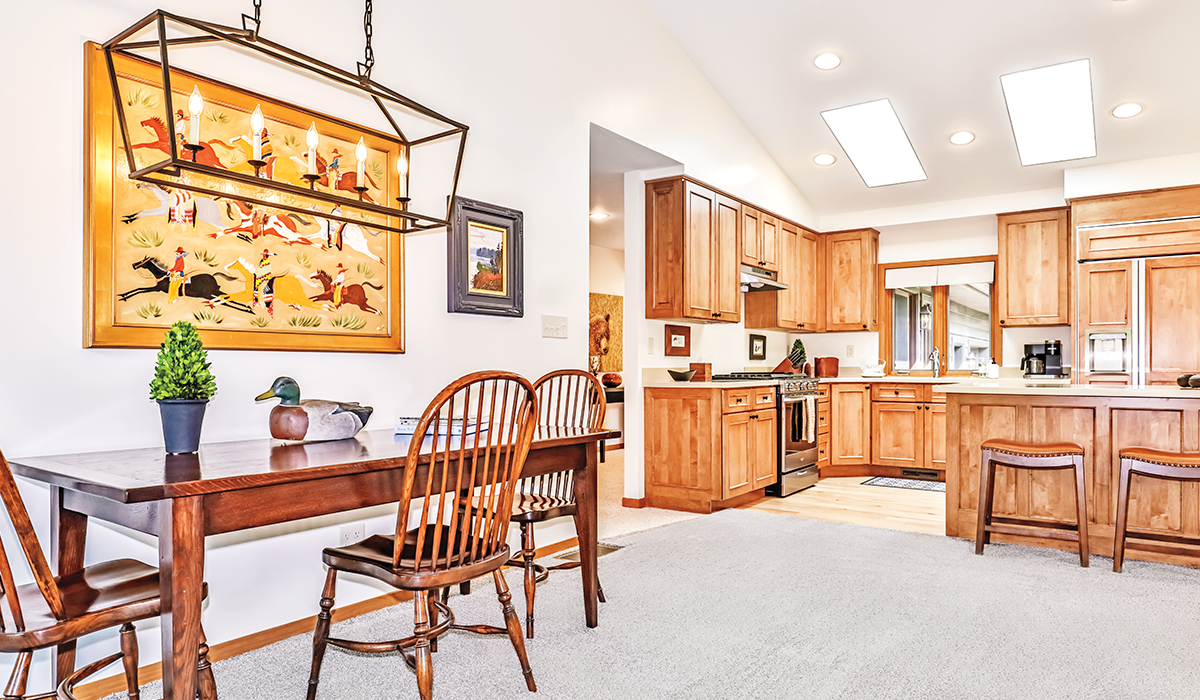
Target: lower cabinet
883 429
850 437
908 435
705 449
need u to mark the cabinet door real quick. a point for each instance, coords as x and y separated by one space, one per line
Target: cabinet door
1172 299
766 445
725 277
751 236
786 299
850 434
737 442
935 436
768 243
1033 280
898 434
700 252
850 281
805 292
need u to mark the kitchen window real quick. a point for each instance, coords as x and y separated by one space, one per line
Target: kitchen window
945 305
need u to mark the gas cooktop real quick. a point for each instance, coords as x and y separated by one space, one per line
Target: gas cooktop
756 376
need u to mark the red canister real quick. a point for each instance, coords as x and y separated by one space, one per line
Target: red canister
827 366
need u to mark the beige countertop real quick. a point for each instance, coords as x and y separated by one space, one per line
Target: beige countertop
946 381
706 385
1039 388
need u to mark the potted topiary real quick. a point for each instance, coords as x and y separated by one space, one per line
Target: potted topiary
182 385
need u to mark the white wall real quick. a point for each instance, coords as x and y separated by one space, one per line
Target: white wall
529 100
1131 176
606 271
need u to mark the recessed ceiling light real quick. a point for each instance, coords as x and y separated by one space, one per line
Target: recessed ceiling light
828 61
1127 110
961 138
598 215
1051 112
824 159
874 140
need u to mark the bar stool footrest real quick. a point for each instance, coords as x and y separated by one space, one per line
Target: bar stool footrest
1039 524
1029 531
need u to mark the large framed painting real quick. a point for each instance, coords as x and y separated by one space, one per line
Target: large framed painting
485 255
247 275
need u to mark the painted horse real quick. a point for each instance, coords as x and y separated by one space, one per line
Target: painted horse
351 293
279 288
253 223
175 205
202 286
341 235
162 142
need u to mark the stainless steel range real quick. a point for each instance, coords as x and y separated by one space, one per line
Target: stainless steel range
796 408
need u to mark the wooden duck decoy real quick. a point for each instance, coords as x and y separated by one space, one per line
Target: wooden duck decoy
311 419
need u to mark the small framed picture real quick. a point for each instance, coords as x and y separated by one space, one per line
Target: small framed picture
678 341
486 259
758 347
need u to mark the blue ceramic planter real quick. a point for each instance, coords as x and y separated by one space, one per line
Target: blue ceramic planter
181 421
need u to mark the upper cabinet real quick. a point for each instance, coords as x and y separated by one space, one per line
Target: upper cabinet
1138 224
761 245
692 252
1033 276
851 260
793 309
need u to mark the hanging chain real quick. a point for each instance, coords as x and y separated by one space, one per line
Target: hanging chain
368 64
257 11
257 19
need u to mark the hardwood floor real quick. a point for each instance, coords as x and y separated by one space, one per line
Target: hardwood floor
846 500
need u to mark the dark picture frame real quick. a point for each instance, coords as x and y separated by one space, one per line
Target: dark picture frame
677 341
758 347
487 277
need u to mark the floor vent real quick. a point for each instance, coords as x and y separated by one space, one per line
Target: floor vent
920 474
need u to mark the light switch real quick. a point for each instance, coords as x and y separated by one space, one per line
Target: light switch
650 346
554 326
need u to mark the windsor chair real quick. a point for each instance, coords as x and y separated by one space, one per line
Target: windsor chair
57 610
469 448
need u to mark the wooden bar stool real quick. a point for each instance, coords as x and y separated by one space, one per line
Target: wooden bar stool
1159 464
1019 455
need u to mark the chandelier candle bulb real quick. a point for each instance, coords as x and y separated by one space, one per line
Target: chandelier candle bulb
195 107
257 126
314 140
402 170
360 152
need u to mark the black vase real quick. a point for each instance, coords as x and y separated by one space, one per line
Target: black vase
181 421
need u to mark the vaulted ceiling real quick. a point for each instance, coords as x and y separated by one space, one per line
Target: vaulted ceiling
940 62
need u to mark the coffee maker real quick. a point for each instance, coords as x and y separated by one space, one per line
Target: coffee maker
1043 360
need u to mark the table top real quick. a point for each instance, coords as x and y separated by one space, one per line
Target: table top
149 474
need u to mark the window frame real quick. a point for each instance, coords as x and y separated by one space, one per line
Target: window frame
941 320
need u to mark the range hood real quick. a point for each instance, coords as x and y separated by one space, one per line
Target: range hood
756 280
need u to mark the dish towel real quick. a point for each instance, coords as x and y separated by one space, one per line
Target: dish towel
796 427
810 418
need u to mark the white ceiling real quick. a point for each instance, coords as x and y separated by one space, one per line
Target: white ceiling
613 155
940 62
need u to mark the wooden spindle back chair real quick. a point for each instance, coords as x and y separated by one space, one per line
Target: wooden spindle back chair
452 524
54 611
567 398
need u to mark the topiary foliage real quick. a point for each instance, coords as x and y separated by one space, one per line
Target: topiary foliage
798 356
181 371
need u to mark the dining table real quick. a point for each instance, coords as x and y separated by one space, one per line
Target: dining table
231 486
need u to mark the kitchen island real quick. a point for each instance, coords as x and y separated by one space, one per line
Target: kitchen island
1103 420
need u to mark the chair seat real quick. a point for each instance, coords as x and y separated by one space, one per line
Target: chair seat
1025 449
1163 457
373 557
91 598
535 507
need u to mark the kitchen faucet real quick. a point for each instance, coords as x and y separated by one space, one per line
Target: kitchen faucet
936 358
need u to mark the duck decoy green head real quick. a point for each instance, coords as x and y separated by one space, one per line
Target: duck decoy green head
285 389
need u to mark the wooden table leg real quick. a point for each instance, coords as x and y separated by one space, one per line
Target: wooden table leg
68 536
181 576
585 503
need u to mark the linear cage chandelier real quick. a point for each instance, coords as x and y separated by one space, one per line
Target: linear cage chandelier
353 168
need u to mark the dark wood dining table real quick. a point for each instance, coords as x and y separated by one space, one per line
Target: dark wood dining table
231 486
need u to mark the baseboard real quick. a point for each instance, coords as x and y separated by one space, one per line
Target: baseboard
234 647
635 502
873 470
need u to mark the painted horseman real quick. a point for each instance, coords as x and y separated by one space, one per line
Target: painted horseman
334 169
263 289
339 282
177 276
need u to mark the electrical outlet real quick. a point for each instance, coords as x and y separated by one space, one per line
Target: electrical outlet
849 351
650 346
352 534
554 326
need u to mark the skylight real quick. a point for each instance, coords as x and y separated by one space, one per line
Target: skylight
875 142
1051 112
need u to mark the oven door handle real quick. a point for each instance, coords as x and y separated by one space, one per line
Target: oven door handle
796 399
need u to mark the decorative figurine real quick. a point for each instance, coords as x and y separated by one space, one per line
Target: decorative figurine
311 419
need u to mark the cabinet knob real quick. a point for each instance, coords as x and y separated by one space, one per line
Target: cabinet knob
1002 322
864 325
896 392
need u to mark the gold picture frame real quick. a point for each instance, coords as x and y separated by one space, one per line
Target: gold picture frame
249 276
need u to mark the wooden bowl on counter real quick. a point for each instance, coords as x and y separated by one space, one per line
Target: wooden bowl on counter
1184 380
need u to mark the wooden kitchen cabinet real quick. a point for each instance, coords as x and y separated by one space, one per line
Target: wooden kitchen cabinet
1138 224
708 448
1033 272
760 239
851 301
1104 305
1172 322
935 435
850 435
692 252
793 309
898 434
